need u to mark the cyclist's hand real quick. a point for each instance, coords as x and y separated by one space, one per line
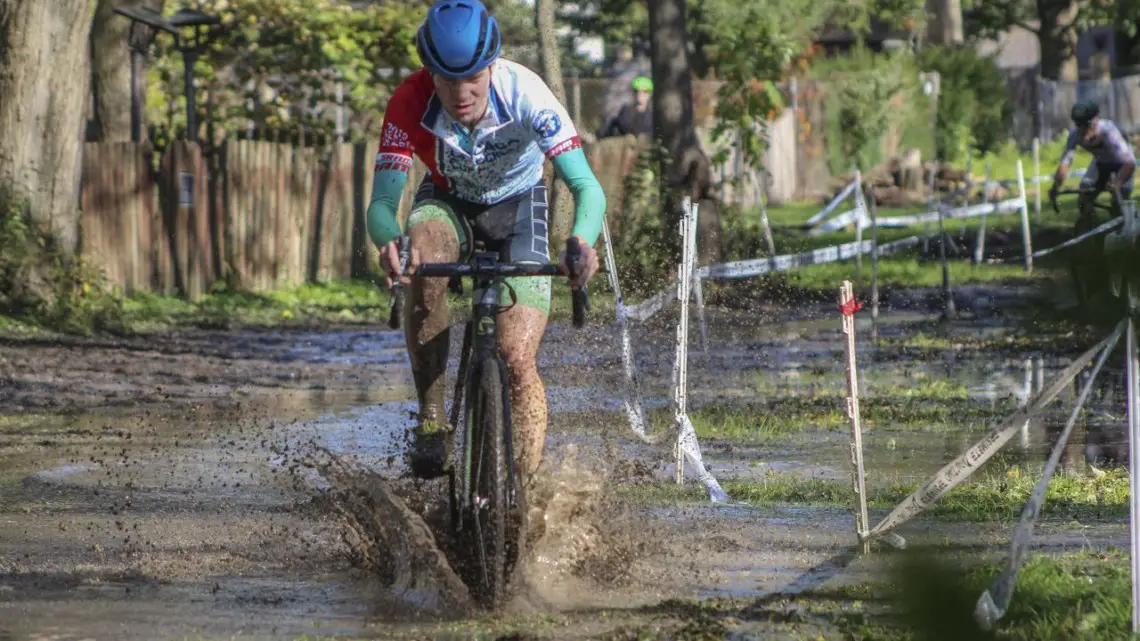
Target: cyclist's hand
588 262
390 263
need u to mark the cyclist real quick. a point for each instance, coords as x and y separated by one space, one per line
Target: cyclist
483 126
1112 156
633 118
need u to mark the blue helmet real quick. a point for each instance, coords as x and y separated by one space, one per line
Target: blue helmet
458 38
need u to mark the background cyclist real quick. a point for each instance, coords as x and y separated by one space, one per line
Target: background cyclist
1113 159
483 126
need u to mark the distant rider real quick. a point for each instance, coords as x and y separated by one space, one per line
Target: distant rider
1113 159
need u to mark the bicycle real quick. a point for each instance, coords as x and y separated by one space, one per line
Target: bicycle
487 506
1086 261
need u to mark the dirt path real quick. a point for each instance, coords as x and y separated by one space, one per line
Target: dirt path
156 488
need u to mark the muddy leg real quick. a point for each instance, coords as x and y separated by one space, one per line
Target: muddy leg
520 332
427 321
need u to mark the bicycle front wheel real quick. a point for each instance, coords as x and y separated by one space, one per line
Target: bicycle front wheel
490 484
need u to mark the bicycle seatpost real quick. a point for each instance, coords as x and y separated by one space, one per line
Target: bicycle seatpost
396 303
580 299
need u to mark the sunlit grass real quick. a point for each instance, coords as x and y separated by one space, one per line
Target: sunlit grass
996 496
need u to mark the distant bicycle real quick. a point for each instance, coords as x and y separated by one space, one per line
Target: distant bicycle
487 503
1086 259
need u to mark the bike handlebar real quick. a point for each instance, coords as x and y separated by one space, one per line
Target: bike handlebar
1064 192
493 269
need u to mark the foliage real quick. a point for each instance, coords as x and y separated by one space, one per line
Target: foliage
278 63
41 285
755 46
974 111
866 96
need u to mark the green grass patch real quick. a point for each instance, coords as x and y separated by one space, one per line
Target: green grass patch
337 302
928 405
994 497
346 301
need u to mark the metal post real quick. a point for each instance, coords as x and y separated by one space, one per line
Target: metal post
859 216
1134 466
680 366
874 265
969 189
862 522
980 246
1027 242
1024 434
762 198
189 58
341 113
138 88
929 203
948 310
1037 178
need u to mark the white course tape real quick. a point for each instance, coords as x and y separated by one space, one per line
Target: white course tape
1112 224
645 310
826 211
849 217
994 602
960 468
1004 207
633 406
824 255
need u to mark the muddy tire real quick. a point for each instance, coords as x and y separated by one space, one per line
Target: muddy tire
490 486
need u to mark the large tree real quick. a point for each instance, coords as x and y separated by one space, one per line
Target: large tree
560 202
111 69
944 26
43 100
1054 22
686 167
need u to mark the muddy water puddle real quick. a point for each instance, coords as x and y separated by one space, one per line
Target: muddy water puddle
209 520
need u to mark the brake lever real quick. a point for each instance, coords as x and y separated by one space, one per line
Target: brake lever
396 302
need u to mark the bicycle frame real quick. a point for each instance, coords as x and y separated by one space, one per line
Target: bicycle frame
481 350
481 347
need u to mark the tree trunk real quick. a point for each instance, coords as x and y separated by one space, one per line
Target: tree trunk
686 168
944 27
43 100
1127 51
561 203
1055 36
111 70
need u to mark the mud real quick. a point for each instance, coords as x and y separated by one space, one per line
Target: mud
249 484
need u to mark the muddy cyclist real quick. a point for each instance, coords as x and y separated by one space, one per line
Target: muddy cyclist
1113 159
483 126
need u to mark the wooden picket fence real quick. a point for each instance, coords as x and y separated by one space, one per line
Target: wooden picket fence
258 215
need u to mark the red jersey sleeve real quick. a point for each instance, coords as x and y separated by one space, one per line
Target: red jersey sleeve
402 116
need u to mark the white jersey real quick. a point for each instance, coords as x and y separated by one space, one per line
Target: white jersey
501 158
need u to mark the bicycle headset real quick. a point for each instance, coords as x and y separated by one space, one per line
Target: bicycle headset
458 38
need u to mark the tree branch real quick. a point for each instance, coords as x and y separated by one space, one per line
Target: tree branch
1025 25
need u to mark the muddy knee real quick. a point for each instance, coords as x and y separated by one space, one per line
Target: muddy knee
426 317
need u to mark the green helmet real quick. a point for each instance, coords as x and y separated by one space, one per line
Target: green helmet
1084 111
643 83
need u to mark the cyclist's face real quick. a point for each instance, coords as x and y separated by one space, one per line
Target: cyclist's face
465 98
642 98
1088 130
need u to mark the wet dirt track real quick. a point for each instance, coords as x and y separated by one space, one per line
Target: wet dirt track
156 488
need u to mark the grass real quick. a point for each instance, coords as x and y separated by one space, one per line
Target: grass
925 595
784 414
351 302
996 497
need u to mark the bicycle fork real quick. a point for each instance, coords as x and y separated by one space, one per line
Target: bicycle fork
480 349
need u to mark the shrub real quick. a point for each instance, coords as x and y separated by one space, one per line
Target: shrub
974 110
